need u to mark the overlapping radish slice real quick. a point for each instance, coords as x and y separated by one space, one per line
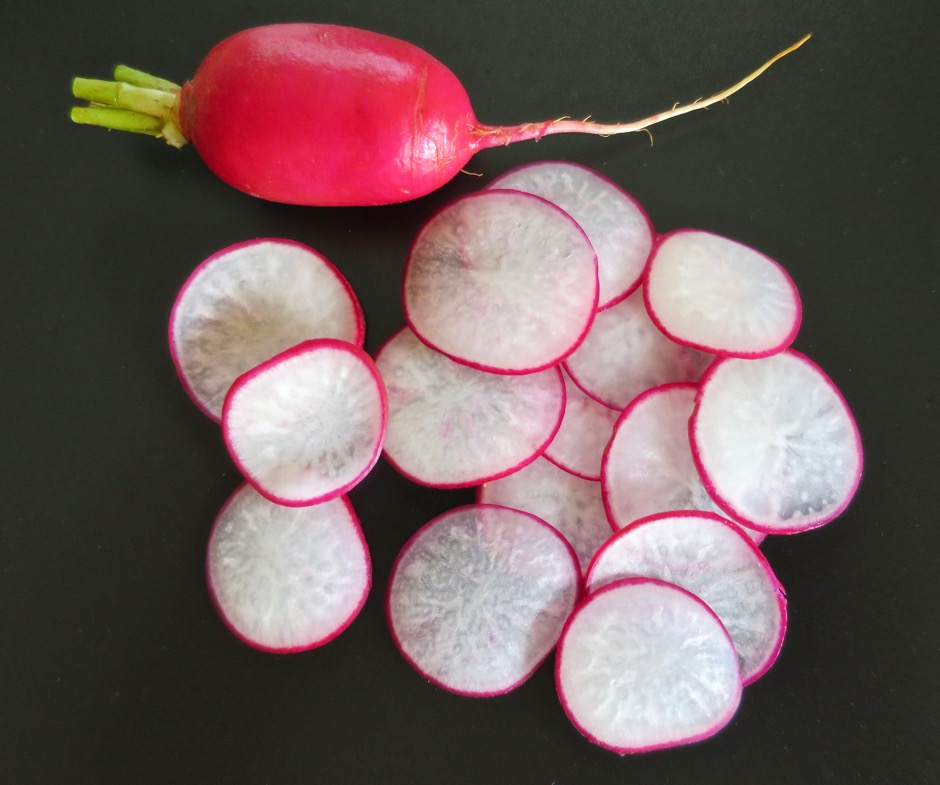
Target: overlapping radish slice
569 503
501 280
451 425
287 579
308 424
618 228
625 354
715 294
251 301
643 665
477 598
776 443
716 561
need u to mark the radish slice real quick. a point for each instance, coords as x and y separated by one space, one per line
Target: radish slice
585 430
308 424
618 228
251 301
502 281
569 503
718 295
285 579
625 354
451 426
477 598
776 443
643 665
716 561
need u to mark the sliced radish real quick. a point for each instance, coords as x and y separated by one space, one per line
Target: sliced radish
450 425
569 503
715 294
618 228
308 424
501 280
643 665
776 443
251 301
477 598
716 561
585 430
625 354
286 579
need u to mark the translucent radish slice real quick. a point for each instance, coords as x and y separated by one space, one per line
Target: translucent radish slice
618 228
501 280
249 302
451 426
625 354
718 295
776 443
585 430
716 561
569 503
285 579
308 424
477 598
644 665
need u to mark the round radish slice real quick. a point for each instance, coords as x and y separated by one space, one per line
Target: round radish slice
286 579
569 503
718 295
625 354
614 222
643 665
308 424
451 426
477 598
502 281
716 561
249 302
776 443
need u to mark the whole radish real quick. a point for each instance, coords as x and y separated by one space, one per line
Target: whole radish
324 115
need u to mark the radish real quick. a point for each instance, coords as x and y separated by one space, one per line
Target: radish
308 424
284 579
644 665
250 301
325 115
477 598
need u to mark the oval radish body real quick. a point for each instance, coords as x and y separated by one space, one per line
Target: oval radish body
286 579
477 598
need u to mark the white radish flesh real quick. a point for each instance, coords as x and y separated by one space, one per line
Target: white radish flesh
501 280
645 665
308 424
287 579
249 302
477 598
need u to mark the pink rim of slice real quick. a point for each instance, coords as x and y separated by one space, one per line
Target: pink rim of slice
569 503
501 281
249 302
308 424
618 228
775 443
644 665
715 560
478 596
452 426
287 579
720 296
625 354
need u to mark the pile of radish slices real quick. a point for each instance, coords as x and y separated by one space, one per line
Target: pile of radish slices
625 403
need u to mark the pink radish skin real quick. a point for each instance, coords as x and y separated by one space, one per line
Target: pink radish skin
361 118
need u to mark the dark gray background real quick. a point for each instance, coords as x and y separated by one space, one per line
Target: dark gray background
113 665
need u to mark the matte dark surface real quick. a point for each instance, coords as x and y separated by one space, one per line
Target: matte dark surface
114 667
